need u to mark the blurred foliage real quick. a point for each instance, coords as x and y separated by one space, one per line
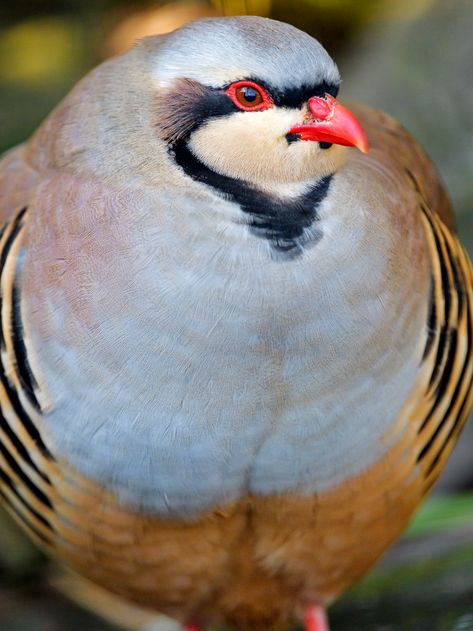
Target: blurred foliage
41 52
433 594
425 582
442 513
47 45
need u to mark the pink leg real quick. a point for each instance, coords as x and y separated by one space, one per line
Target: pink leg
316 618
191 627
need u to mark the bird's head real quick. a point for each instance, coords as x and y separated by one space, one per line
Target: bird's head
244 106
251 99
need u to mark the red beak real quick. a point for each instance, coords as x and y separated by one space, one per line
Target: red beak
332 123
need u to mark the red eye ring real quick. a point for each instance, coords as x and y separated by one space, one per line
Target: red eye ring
236 92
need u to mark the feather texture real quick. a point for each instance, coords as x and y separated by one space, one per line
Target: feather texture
252 434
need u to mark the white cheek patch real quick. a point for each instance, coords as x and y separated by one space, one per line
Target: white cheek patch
252 146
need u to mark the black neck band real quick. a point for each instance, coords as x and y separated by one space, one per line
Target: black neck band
286 224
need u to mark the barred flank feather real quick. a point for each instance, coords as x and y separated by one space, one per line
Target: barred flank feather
448 354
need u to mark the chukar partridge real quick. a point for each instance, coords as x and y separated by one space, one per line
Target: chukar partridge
235 352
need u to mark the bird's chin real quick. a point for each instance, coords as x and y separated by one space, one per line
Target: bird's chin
256 149
283 163
313 160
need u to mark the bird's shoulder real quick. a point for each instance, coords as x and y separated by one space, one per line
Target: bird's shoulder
395 149
442 395
18 179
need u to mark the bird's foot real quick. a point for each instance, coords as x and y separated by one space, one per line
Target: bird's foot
191 627
316 618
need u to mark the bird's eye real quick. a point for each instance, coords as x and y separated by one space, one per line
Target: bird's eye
249 96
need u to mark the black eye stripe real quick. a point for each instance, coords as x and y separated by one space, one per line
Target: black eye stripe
192 104
294 97
297 97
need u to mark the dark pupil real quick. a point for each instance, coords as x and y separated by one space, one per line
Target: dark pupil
250 94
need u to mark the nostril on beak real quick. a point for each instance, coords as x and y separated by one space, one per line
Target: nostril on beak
321 107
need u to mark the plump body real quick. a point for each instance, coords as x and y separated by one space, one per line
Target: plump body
229 430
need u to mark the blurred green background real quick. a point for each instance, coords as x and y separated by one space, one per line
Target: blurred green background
412 58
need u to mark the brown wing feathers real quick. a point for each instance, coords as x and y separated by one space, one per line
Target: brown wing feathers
448 353
24 484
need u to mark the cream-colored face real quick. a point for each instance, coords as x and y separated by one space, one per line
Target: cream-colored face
252 146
